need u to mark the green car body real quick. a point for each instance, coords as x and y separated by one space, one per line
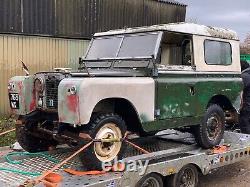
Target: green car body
183 98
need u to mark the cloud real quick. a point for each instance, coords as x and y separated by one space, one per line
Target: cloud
236 16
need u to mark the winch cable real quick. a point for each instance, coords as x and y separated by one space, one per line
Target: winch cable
41 154
10 161
22 172
15 170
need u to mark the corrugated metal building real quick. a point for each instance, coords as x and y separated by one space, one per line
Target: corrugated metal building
82 18
38 53
54 33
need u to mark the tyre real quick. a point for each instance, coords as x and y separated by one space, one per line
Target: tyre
104 126
151 180
186 177
211 130
32 143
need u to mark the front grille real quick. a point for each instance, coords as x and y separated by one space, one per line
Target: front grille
52 83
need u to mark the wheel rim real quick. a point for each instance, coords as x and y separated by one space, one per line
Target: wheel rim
151 182
104 151
214 126
187 178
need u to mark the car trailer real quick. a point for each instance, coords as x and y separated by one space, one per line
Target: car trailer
174 160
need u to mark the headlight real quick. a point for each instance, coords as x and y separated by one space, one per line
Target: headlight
11 86
39 85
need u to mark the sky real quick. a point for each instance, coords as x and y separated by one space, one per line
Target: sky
231 14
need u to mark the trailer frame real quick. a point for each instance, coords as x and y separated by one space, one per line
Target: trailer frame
166 163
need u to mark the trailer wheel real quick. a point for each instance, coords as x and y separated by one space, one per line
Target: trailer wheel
32 143
211 130
151 180
186 177
104 126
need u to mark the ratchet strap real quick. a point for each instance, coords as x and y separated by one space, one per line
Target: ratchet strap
82 173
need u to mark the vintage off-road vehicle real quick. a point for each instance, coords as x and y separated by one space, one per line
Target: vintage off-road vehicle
141 80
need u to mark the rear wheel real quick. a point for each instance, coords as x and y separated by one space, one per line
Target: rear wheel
186 177
211 130
104 126
32 143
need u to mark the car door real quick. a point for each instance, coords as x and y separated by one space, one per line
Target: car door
176 94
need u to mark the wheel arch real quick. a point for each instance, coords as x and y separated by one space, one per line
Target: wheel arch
221 100
199 169
122 107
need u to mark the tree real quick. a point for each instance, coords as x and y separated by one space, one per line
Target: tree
245 46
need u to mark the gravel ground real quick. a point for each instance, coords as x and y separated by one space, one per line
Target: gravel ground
235 175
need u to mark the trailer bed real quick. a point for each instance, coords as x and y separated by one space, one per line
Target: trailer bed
168 154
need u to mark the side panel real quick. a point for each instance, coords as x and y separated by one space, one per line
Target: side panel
183 97
218 84
77 109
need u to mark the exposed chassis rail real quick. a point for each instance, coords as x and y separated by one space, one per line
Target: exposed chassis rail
169 159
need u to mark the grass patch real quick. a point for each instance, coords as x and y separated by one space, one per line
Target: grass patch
7 124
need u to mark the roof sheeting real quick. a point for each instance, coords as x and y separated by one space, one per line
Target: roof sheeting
82 18
172 2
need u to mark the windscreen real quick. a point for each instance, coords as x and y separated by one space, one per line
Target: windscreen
123 46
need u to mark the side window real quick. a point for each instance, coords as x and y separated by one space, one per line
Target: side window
176 50
217 52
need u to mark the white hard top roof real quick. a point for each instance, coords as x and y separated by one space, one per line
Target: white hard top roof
182 27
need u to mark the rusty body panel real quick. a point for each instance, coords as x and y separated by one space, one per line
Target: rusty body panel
77 108
38 53
23 86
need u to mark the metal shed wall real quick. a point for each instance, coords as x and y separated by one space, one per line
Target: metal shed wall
82 18
10 16
38 53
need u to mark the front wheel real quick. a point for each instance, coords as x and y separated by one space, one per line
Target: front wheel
104 126
211 130
32 143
